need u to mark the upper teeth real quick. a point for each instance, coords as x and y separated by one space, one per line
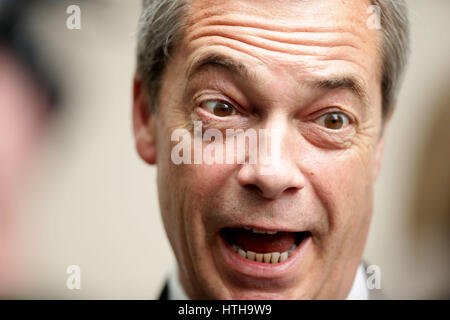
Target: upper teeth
254 230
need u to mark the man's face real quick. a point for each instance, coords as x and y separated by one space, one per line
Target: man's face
311 71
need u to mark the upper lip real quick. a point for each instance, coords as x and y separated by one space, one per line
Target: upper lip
265 228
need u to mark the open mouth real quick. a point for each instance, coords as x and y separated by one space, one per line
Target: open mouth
262 245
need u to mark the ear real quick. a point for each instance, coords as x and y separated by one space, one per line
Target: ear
143 123
379 150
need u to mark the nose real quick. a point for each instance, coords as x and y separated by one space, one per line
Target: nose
282 176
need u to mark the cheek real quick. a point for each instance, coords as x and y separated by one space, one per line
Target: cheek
343 184
186 190
176 160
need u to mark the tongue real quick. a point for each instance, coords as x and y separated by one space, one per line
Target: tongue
262 242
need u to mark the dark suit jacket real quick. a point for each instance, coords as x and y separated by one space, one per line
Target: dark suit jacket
164 295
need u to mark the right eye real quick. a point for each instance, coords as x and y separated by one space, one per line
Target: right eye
219 108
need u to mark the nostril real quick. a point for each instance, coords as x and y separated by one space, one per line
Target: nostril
291 190
253 187
269 193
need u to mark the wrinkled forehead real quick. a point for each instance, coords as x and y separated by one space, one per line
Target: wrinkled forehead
287 32
291 13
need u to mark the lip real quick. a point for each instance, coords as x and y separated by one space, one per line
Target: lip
277 229
239 265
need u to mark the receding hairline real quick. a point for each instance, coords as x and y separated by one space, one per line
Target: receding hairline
162 24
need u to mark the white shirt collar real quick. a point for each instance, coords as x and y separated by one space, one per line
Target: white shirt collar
358 291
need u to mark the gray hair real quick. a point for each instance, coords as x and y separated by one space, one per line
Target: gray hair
162 21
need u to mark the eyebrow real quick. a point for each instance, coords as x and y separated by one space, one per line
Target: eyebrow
350 82
218 60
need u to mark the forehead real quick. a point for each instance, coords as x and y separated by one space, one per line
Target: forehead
299 37
318 13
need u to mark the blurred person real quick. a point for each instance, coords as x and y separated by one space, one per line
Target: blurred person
27 98
317 74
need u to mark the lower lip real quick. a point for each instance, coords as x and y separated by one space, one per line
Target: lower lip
254 269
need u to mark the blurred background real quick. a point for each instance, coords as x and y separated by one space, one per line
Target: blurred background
76 193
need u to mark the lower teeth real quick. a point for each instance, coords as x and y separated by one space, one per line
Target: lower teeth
272 257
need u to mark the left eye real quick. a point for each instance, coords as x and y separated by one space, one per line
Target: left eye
219 108
333 120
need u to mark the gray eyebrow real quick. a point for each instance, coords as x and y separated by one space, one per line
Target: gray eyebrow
350 82
215 59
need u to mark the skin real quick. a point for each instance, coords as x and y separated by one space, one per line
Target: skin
322 178
22 121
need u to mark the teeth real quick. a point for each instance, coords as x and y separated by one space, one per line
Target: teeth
261 231
259 257
251 255
258 231
242 253
275 257
271 257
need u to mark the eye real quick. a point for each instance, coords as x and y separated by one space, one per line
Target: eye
219 108
333 120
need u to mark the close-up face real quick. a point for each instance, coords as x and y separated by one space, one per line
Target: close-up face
309 71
